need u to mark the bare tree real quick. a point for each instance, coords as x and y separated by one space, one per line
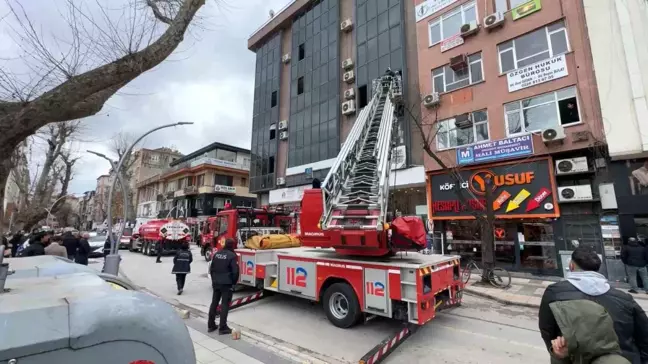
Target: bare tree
426 124
119 147
69 79
51 180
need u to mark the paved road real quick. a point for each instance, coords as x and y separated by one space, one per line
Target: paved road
478 332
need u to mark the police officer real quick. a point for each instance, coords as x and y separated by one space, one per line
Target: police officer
224 271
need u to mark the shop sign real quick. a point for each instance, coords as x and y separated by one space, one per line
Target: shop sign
537 73
452 42
224 189
287 195
430 7
525 9
497 150
517 189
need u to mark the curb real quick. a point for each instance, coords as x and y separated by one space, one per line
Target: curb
470 291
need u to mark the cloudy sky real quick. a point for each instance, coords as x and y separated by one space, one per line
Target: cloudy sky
209 81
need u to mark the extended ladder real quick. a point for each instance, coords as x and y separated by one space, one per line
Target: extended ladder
356 189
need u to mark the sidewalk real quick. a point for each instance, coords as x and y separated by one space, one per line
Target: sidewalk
526 292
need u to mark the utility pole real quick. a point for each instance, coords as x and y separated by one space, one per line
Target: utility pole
488 236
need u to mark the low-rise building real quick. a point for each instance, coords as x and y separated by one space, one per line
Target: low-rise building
199 184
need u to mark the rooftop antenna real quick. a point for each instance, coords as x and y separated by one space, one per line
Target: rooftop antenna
271 13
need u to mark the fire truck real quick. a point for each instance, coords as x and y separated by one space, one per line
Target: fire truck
241 223
168 233
355 259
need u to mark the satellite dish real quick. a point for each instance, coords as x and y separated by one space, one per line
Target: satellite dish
271 13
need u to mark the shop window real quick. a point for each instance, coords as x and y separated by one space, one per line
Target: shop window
449 136
450 24
445 79
544 43
558 108
538 251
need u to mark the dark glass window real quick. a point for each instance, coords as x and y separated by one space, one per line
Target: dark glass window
300 85
273 101
302 51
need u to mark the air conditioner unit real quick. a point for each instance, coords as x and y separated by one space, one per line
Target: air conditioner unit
348 107
551 135
346 25
285 58
349 94
494 20
281 181
463 121
459 62
571 165
431 100
469 28
283 135
575 193
283 124
347 63
348 77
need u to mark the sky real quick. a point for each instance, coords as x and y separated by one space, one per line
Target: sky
209 81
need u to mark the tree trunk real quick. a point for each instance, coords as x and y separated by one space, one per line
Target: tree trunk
5 170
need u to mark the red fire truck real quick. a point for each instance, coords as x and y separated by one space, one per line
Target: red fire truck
352 256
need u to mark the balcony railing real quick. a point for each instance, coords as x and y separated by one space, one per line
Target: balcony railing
208 161
191 190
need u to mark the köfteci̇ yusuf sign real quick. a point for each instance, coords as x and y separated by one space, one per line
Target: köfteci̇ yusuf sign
537 73
497 150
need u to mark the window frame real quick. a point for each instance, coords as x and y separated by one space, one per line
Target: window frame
474 126
556 100
439 20
549 47
470 83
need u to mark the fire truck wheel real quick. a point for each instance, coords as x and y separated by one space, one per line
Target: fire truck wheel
341 305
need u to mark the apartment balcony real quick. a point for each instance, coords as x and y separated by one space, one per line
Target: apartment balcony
169 195
190 190
179 193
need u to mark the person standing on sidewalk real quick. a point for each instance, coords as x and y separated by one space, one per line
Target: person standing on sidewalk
83 251
182 266
585 283
224 271
635 258
55 248
160 249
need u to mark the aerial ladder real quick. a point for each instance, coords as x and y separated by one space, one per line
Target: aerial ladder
355 193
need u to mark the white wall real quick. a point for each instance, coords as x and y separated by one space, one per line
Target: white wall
618 33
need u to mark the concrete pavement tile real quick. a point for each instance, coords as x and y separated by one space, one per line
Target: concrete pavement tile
213 345
197 336
515 280
547 283
237 357
539 291
534 301
514 289
206 356
218 361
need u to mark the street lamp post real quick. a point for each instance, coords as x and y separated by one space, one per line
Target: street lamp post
119 178
112 260
49 210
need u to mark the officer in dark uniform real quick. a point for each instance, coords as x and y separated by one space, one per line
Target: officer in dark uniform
224 271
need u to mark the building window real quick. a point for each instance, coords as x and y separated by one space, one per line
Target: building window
533 47
450 24
362 96
503 5
223 180
445 79
200 180
273 99
244 182
449 136
302 51
271 164
273 131
558 108
300 85
226 155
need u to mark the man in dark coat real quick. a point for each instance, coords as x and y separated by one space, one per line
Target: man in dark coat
585 283
15 242
71 244
37 246
83 251
182 266
224 271
635 258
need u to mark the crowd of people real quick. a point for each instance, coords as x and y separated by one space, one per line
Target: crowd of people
69 244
